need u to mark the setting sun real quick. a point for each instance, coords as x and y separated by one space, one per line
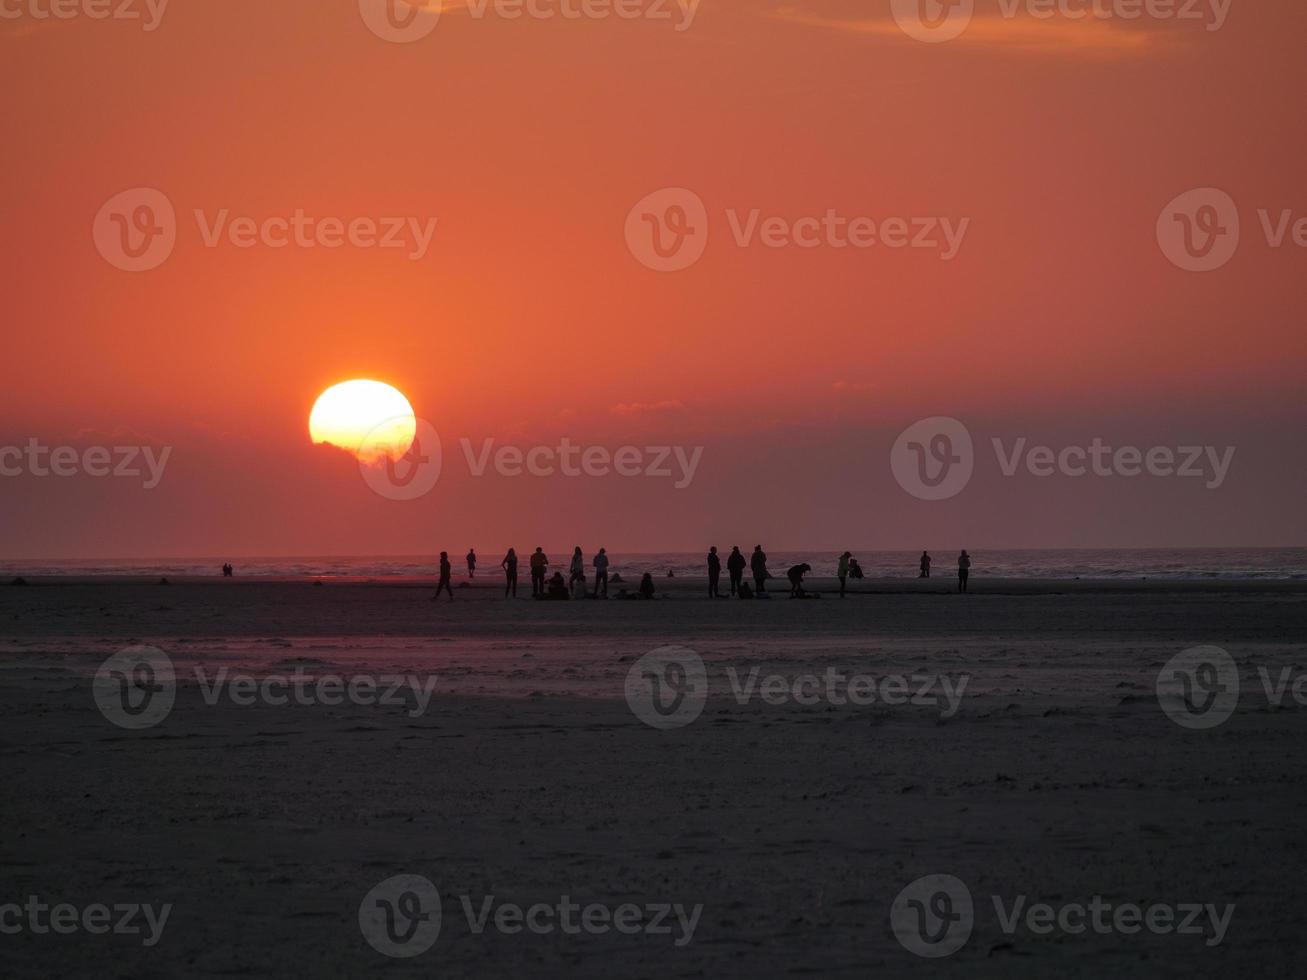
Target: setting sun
369 418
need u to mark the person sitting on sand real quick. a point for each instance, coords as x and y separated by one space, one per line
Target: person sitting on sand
925 564
795 575
646 586
964 570
735 566
758 565
714 573
745 591
471 563
539 566
855 570
842 571
557 588
601 573
577 574
509 565
443 584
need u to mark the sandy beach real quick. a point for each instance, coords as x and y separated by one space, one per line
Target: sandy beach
517 768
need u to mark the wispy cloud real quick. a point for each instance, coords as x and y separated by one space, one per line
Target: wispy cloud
1019 33
628 409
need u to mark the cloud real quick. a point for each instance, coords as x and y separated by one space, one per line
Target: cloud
1088 36
628 409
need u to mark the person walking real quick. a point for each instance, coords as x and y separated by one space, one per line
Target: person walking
471 563
758 565
601 573
509 565
577 574
443 583
842 571
735 568
714 573
539 566
964 570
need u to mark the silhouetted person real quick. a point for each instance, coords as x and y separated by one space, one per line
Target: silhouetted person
855 570
646 586
557 588
471 563
443 584
795 575
735 568
925 564
577 572
714 573
745 591
758 565
964 570
601 573
509 564
843 571
539 565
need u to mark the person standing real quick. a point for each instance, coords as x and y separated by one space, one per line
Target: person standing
843 571
443 583
577 573
758 564
735 568
925 564
539 565
964 570
714 573
471 563
601 573
509 564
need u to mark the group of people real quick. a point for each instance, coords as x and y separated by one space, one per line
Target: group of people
545 586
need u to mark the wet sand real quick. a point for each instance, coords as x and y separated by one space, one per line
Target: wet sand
528 776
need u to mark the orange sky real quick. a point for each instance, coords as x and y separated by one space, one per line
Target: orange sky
529 140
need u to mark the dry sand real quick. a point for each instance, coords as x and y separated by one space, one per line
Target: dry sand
528 777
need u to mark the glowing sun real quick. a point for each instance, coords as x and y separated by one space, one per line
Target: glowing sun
370 419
